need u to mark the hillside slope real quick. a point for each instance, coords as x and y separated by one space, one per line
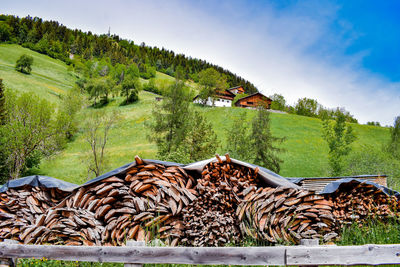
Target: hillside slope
306 151
49 77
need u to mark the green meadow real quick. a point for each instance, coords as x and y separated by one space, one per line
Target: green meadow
306 151
49 78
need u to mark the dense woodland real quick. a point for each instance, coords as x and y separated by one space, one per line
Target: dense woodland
56 40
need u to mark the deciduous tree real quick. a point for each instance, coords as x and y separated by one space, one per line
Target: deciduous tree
24 64
339 137
306 107
31 128
278 102
130 89
96 129
394 143
211 81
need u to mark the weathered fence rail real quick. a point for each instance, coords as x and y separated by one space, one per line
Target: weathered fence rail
135 254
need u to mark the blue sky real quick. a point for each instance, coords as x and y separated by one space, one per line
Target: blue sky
371 28
342 53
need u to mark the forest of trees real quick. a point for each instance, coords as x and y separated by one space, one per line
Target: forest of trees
56 40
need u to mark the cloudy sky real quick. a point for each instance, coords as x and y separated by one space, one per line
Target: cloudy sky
343 54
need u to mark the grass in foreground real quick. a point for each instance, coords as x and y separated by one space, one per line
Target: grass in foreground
372 232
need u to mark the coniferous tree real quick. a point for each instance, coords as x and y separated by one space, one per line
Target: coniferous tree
254 142
181 134
238 138
171 122
264 144
201 141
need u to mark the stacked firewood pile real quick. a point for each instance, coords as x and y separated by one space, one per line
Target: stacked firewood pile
24 206
355 202
285 215
210 220
226 203
141 205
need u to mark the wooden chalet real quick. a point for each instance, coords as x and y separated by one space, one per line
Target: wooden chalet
222 98
254 101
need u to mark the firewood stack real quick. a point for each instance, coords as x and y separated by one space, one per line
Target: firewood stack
285 215
25 205
141 205
210 220
153 201
355 202
64 226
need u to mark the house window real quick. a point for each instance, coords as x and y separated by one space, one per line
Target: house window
250 103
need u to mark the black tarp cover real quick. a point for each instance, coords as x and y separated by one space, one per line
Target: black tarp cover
124 168
268 177
40 181
334 186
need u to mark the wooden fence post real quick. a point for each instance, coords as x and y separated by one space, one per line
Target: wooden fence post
131 243
11 262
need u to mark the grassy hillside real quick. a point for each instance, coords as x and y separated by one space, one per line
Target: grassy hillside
306 152
49 77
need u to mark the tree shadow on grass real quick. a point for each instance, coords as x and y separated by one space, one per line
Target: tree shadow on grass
101 104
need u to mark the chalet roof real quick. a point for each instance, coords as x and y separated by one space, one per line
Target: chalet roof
226 92
258 93
235 87
222 94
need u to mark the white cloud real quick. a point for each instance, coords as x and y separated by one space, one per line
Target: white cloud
287 51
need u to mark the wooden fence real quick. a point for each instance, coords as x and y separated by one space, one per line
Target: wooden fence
135 254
